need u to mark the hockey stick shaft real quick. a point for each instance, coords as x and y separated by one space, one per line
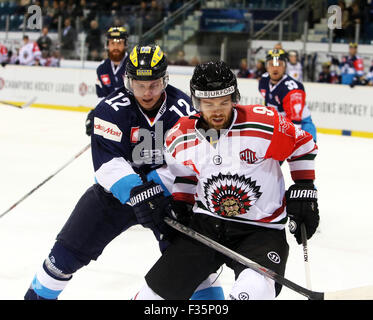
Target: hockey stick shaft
244 260
46 180
25 105
305 256
348 294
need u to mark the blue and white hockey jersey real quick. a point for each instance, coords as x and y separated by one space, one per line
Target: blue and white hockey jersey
288 97
110 78
126 142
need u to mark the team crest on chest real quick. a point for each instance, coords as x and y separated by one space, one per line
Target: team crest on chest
230 195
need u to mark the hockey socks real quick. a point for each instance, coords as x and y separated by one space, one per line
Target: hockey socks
47 283
55 273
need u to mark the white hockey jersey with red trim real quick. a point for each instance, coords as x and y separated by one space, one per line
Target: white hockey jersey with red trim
29 53
238 176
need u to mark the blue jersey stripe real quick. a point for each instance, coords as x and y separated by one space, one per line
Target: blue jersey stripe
153 175
122 188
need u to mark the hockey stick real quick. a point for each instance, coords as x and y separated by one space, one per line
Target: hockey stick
47 179
305 256
349 294
23 106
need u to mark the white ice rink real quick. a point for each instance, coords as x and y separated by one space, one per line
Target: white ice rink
34 143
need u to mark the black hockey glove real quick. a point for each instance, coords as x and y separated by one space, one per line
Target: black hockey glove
302 207
150 206
181 211
89 123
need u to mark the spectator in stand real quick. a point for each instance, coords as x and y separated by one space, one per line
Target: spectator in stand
70 9
356 18
13 56
180 59
62 10
47 12
44 41
155 12
150 16
369 78
68 40
345 32
3 55
194 61
55 14
93 40
94 55
294 68
29 52
55 59
327 76
352 67
143 13
259 70
244 71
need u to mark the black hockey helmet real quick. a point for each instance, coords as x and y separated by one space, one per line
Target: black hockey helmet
211 80
117 33
275 55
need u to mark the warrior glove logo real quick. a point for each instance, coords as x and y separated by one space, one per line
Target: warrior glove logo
230 195
149 193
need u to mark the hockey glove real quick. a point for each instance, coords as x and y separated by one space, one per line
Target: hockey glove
302 207
181 211
150 206
89 123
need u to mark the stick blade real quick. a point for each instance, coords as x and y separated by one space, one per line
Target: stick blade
360 293
27 104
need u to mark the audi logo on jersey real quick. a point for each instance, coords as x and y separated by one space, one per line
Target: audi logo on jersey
230 195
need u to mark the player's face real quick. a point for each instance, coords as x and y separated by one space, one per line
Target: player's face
147 93
293 59
217 112
117 49
276 72
352 51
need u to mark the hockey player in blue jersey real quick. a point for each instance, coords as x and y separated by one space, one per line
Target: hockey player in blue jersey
284 93
127 142
111 70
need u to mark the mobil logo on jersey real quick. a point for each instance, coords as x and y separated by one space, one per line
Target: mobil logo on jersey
248 156
107 130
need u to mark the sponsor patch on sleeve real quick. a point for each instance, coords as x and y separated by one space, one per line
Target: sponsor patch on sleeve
107 130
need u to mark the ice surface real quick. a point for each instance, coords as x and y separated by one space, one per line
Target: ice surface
34 143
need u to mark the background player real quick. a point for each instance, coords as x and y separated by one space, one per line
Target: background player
127 143
352 67
111 70
294 68
238 189
284 93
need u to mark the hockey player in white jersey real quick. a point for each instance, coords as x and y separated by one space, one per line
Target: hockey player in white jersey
294 68
29 52
226 162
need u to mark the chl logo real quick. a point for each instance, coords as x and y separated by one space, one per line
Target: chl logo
248 155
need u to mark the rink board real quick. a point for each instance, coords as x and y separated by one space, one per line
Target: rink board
336 109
